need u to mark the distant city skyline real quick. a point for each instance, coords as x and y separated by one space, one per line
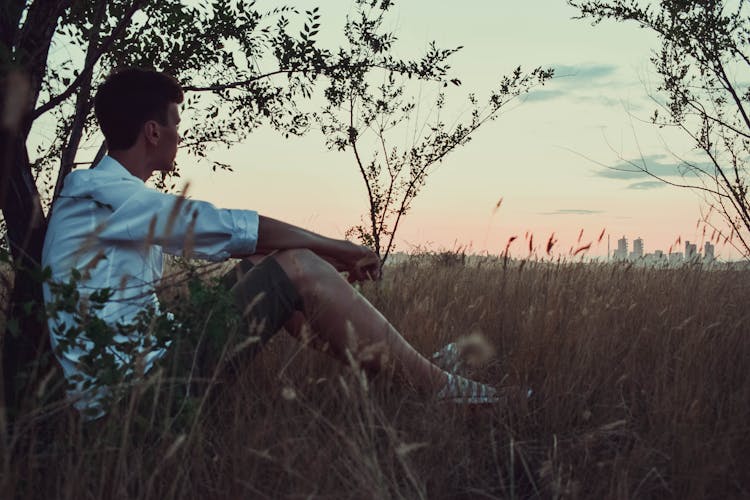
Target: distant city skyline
691 254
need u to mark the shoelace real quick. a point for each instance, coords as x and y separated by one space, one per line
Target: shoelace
449 358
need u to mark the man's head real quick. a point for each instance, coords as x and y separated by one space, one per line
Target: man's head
138 107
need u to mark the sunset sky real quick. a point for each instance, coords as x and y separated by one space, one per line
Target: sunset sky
544 156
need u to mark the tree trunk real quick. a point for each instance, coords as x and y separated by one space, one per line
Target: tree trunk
25 344
25 341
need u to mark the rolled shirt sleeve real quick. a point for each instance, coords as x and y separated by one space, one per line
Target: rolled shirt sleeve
182 226
245 237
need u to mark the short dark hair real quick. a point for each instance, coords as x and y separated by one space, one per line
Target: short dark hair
130 97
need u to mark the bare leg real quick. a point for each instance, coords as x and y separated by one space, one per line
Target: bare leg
352 328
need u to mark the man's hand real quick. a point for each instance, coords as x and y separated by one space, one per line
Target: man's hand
359 262
367 267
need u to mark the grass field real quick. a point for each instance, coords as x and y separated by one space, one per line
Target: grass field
641 391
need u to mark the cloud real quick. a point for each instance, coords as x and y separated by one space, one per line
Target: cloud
656 164
647 185
543 95
585 83
608 101
572 211
584 71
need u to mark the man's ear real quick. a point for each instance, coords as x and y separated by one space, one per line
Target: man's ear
151 132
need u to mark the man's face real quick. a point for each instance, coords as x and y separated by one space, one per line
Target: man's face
169 138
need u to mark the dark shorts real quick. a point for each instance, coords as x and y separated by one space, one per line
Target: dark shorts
224 325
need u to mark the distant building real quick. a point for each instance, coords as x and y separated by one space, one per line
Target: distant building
637 249
655 259
659 258
622 249
675 258
708 252
691 251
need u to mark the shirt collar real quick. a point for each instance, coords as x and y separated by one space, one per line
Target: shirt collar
109 165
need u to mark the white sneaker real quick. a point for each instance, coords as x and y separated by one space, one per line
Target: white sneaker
462 390
449 359
459 389
467 353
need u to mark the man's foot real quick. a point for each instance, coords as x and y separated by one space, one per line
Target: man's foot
462 390
465 354
457 359
449 359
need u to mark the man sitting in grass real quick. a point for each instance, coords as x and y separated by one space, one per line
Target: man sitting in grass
109 231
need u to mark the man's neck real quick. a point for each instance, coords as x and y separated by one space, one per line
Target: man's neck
134 162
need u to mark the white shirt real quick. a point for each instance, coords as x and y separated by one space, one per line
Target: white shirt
108 217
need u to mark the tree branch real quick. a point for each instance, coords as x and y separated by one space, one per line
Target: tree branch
737 200
391 182
91 62
83 101
242 83
730 88
353 142
702 112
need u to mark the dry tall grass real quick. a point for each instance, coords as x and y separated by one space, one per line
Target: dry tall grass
641 391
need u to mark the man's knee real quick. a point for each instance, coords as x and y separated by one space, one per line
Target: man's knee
302 266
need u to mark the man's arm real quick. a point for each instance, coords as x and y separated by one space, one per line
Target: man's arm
359 261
